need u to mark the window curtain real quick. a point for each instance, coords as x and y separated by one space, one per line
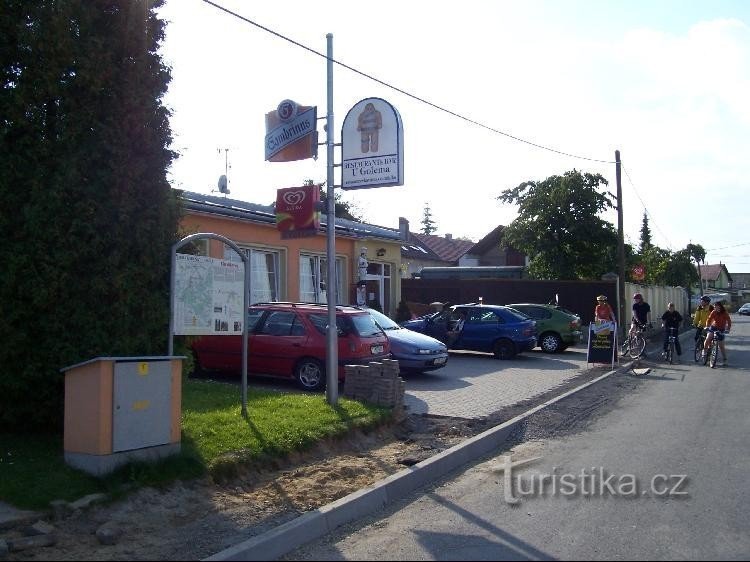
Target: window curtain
307 269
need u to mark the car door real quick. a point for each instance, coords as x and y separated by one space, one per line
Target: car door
481 329
277 343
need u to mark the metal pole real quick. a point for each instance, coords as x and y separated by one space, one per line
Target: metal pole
246 304
172 273
620 247
245 257
332 357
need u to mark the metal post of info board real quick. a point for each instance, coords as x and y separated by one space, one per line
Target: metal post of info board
332 359
245 299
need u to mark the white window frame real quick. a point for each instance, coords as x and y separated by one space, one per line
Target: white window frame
310 286
264 285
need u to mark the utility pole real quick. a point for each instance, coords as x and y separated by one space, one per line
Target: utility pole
332 346
620 247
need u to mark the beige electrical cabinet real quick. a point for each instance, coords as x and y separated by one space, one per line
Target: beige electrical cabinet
121 409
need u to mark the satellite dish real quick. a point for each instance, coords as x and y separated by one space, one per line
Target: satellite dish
223 184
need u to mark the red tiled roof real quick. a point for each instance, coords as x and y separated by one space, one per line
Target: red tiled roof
711 272
447 250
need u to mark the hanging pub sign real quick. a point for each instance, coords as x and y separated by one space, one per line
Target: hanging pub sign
291 132
372 146
297 211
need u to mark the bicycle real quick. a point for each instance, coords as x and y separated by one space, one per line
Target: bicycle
713 353
635 344
698 353
669 355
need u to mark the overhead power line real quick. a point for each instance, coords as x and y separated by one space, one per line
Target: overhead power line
645 209
409 94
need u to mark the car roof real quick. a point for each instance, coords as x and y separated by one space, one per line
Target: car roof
308 307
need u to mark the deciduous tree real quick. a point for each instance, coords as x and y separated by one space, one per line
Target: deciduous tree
559 226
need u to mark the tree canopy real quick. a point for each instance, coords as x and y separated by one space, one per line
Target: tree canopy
559 226
88 217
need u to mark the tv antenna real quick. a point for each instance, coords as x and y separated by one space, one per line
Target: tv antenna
223 183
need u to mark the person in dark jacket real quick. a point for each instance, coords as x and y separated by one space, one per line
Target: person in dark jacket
671 319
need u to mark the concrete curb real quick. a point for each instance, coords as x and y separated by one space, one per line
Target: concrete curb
315 524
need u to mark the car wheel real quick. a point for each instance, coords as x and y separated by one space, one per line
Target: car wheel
504 349
310 374
550 342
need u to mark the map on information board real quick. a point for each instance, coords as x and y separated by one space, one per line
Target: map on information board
208 296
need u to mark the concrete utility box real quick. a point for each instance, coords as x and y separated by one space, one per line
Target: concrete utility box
121 409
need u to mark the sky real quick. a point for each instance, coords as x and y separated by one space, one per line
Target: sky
666 83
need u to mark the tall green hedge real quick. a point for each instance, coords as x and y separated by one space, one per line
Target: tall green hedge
87 217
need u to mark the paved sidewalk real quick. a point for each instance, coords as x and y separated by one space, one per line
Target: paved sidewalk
477 385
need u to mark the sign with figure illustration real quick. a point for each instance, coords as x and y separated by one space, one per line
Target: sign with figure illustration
297 212
372 146
602 342
208 296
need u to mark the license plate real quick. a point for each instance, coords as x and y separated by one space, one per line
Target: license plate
376 349
440 360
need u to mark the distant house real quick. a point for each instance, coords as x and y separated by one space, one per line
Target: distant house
488 251
427 250
714 277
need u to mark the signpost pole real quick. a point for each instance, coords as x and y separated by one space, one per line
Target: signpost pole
332 360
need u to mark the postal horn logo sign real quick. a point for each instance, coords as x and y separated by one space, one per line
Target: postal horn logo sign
292 198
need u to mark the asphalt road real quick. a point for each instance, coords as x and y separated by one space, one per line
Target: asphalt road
650 467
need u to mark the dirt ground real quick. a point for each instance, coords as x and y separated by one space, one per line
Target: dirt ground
193 520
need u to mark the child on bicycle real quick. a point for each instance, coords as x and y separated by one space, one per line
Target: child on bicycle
701 316
718 321
671 319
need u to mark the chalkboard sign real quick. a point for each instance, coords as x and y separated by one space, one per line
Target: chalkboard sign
602 342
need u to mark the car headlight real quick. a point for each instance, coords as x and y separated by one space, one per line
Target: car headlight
424 351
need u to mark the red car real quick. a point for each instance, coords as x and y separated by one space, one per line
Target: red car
289 340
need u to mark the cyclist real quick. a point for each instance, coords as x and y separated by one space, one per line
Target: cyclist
701 316
641 314
671 319
718 320
603 311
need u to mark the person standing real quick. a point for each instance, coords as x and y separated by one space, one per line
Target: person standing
671 320
719 323
603 311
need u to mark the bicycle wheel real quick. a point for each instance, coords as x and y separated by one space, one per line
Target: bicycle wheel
637 346
714 353
698 349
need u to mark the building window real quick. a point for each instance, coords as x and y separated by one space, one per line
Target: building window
264 273
313 279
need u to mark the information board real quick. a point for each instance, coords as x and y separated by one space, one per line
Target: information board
208 296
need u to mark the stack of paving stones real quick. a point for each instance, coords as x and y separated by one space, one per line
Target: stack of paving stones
377 383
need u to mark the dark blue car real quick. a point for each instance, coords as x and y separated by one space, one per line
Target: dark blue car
490 328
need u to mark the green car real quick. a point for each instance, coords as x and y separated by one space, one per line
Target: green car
557 328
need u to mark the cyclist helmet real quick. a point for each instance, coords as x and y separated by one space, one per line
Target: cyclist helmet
601 298
706 299
637 296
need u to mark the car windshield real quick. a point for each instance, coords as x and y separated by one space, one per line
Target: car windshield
364 325
383 321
